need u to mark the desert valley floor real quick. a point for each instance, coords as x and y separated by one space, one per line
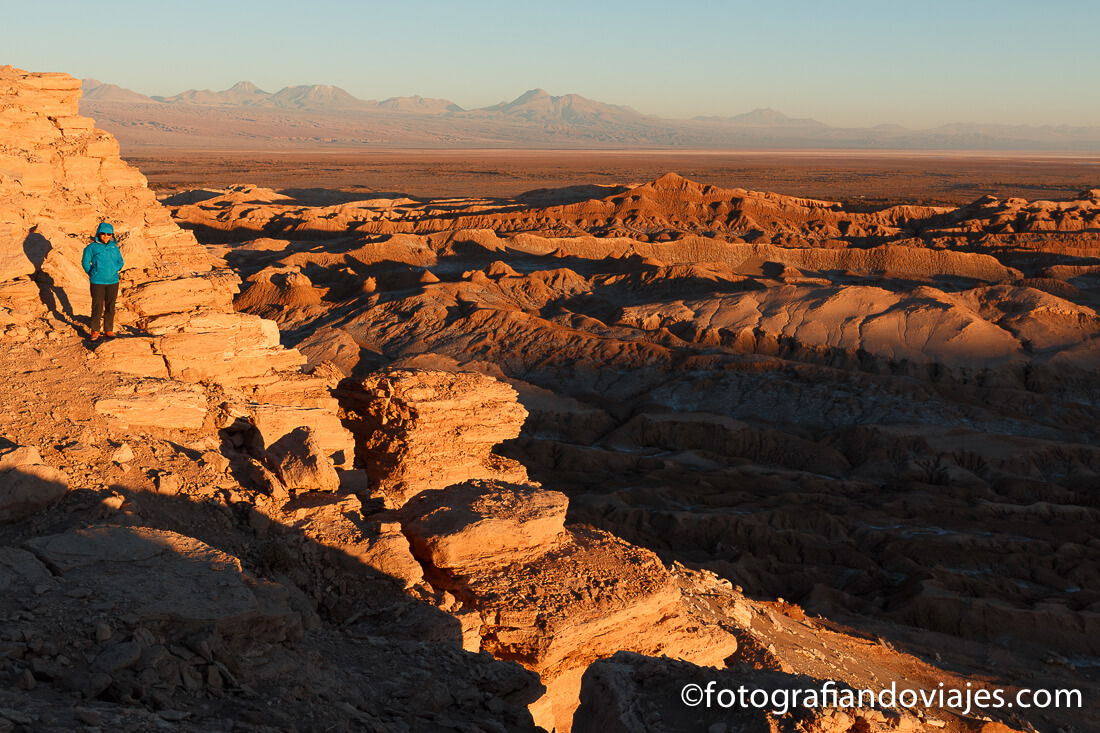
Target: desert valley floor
852 176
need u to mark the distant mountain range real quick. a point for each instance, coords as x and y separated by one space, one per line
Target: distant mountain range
767 118
316 97
322 115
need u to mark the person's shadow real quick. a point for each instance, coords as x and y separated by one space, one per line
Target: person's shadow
36 247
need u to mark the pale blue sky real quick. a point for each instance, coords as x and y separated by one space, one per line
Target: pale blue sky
846 62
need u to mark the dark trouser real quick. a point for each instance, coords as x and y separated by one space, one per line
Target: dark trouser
103 306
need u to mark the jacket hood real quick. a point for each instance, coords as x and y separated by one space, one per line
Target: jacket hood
105 228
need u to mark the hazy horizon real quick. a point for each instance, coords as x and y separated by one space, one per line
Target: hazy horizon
850 64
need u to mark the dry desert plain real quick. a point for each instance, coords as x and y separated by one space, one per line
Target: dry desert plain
872 177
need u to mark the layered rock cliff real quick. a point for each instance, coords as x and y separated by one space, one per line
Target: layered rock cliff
60 177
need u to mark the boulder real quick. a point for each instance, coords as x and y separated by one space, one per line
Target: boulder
333 345
59 177
300 462
484 522
26 484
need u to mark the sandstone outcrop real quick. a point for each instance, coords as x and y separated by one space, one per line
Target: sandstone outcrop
585 594
427 430
59 177
557 598
582 594
478 522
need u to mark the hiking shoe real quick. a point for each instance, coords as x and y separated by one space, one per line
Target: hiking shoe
110 334
94 336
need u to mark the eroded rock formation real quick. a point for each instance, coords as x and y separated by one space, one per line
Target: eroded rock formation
552 598
888 416
59 177
427 430
555 597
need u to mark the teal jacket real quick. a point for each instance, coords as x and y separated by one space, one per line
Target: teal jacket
102 261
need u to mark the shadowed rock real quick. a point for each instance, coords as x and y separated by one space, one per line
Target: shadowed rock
165 577
26 483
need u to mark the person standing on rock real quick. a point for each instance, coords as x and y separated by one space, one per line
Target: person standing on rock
102 261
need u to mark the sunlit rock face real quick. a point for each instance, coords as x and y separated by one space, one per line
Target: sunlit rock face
59 178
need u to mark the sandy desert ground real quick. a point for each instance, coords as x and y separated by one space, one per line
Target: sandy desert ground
935 177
